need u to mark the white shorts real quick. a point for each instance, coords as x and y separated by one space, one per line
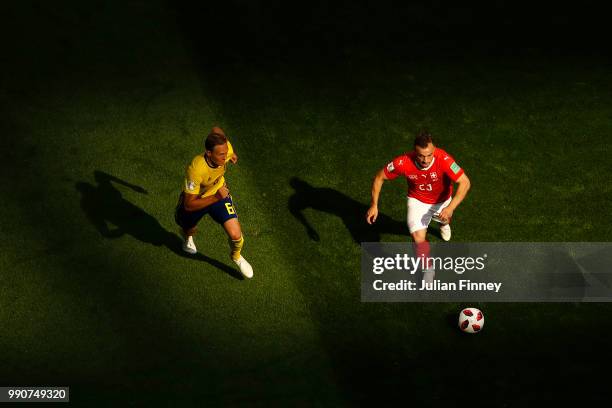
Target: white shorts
420 213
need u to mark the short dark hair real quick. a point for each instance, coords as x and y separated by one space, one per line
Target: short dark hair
423 139
214 139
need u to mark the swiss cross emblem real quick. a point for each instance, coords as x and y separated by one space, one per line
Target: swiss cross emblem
433 175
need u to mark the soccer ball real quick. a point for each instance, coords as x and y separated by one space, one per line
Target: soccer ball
471 320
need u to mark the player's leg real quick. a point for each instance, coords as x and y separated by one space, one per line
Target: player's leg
419 216
445 229
419 236
422 250
188 221
236 241
235 238
224 213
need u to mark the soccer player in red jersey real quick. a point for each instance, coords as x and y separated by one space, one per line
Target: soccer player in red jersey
431 173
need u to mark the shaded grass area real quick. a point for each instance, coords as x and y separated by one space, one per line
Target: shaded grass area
96 296
93 290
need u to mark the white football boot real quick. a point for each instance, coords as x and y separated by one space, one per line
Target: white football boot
245 268
189 246
445 232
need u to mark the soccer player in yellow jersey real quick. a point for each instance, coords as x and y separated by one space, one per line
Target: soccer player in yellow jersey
205 192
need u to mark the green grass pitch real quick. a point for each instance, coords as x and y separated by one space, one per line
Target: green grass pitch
94 293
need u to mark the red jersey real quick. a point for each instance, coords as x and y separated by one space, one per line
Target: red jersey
430 185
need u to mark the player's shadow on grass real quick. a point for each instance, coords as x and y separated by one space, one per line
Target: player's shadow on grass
104 204
351 211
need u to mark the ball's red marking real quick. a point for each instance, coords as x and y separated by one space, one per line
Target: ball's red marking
468 312
479 316
464 324
476 327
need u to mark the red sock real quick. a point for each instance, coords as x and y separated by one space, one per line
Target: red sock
422 251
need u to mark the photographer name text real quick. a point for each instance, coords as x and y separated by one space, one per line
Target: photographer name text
437 285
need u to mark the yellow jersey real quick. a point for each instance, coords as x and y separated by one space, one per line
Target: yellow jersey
204 180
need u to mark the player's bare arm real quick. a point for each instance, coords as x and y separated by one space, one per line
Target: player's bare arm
193 202
463 186
377 183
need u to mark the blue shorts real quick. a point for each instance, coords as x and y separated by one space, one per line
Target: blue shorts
220 211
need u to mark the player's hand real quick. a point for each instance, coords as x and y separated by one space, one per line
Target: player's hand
445 215
372 214
234 158
222 192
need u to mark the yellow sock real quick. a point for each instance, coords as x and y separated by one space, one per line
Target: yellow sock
235 247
